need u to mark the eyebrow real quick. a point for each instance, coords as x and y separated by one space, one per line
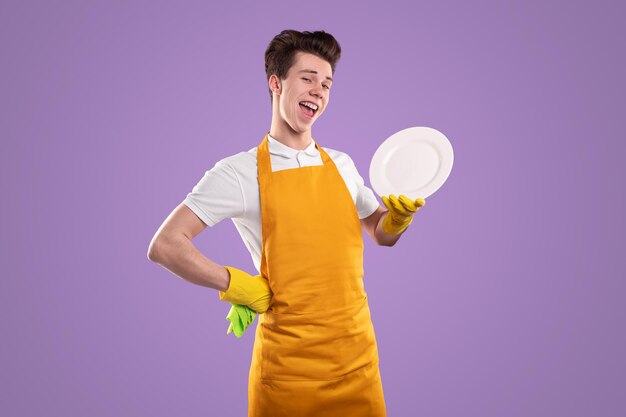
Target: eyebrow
313 72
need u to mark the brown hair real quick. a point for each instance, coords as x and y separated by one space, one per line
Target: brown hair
281 51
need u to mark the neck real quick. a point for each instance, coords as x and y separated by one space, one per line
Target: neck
288 137
282 132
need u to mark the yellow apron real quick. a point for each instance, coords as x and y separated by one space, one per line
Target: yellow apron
315 351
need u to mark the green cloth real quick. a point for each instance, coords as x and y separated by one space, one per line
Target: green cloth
240 317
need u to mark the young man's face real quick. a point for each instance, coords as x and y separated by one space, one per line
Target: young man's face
307 85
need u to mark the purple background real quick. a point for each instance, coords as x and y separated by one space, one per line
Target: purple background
505 298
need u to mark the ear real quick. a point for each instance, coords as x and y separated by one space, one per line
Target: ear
274 84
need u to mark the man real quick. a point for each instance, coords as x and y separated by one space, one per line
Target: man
300 209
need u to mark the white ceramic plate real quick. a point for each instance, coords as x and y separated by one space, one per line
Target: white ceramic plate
414 162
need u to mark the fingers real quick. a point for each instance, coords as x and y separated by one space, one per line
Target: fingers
403 204
387 203
408 204
394 205
399 207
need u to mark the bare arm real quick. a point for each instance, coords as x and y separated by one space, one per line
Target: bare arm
373 226
172 248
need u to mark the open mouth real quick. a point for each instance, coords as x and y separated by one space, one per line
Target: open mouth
308 108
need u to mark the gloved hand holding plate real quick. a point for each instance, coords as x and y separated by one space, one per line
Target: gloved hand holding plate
414 162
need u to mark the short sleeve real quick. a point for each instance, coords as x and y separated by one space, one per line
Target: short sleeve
366 202
217 196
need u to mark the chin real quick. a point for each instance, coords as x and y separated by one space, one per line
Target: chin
302 128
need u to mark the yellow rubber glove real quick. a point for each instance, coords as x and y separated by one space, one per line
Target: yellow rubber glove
401 211
245 289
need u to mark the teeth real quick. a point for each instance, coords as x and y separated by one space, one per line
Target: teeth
309 105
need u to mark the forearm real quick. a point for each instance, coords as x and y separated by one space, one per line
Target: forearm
179 256
383 238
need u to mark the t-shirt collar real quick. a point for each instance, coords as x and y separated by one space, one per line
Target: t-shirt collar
277 148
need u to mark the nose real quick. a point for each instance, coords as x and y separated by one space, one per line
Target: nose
317 91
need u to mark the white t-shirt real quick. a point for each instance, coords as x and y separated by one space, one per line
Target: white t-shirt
231 189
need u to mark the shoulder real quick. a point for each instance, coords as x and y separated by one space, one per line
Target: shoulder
339 157
240 159
343 161
242 162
